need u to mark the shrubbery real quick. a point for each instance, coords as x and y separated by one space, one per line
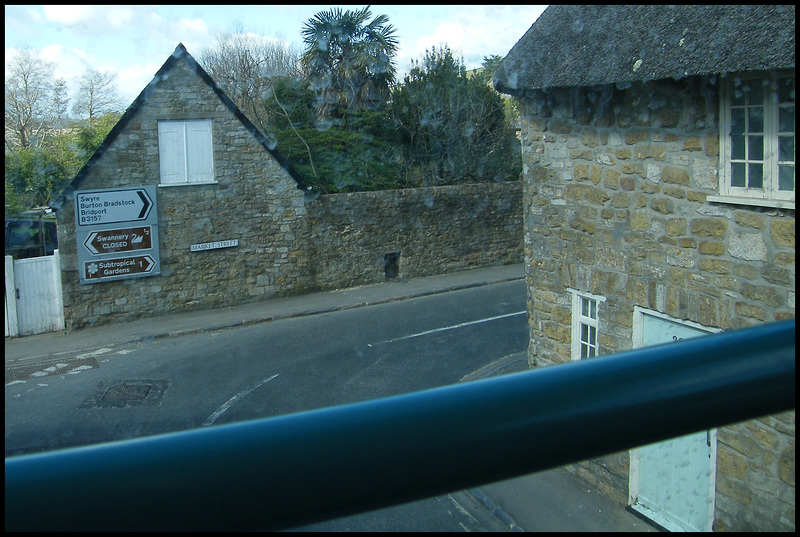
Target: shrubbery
439 127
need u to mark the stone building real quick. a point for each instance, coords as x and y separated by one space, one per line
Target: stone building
228 221
216 179
659 196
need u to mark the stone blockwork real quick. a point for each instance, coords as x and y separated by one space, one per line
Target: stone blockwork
616 204
287 244
355 237
253 200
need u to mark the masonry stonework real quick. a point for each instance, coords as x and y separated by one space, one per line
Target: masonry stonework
253 200
430 230
288 243
615 204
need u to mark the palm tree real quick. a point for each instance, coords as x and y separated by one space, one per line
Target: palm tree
349 59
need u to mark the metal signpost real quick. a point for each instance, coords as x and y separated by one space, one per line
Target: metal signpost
117 233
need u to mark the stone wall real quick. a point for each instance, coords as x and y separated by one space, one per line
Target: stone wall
615 204
253 200
426 231
286 243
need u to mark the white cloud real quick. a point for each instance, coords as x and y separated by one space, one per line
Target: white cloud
94 18
67 15
192 25
133 79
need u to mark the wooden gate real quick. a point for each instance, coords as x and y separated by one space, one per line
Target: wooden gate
34 303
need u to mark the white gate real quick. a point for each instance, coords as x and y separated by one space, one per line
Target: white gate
34 303
672 482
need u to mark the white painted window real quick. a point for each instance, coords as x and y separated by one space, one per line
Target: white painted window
757 140
185 152
585 324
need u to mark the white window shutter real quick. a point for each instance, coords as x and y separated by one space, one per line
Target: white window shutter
171 152
199 151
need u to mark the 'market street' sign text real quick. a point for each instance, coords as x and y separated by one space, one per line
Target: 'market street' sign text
213 245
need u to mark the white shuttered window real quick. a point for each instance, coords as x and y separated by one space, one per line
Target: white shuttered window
185 152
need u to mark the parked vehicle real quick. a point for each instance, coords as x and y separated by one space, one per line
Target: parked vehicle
30 237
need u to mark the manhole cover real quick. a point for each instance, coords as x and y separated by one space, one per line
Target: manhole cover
127 393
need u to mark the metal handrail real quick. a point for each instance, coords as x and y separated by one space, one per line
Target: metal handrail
301 468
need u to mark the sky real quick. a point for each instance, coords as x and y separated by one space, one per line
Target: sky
135 41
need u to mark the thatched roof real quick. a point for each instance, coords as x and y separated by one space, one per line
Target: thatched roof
596 45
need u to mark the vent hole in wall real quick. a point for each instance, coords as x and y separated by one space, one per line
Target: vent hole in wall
391 265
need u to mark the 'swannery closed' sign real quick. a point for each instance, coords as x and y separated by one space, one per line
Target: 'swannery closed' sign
119 240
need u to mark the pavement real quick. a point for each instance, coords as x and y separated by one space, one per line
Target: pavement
553 500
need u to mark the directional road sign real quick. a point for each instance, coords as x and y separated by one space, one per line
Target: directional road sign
111 241
118 267
112 206
115 226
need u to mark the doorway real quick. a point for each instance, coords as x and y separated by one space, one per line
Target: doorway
672 482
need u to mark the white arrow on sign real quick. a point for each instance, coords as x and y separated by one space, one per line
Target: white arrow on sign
118 267
113 206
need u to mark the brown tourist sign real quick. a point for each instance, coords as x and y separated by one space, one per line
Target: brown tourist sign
117 267
111 241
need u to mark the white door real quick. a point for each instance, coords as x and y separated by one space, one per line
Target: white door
38 288
672 482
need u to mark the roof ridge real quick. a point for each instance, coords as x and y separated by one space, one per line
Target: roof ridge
179 54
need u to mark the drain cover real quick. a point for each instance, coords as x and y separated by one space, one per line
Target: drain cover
127 393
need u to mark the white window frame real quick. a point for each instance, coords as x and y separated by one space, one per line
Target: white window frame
186 152
590 322
769 195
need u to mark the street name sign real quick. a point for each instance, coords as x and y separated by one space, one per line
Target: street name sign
116 267
114 227
213 245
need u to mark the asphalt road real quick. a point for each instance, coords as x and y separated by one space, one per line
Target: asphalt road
280 367
267 369
187 379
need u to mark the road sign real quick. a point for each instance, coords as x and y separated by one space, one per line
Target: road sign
118 267
111 241
114 226
112 206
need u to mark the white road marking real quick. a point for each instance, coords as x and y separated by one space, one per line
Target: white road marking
221 410
453 327
463 511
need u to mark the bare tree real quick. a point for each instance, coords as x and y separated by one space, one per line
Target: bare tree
34 100
244 64
97 94
60 101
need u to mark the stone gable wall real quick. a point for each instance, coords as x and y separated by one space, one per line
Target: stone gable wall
615 204
254 201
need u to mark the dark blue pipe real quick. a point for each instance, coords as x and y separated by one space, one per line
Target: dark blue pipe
298 469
